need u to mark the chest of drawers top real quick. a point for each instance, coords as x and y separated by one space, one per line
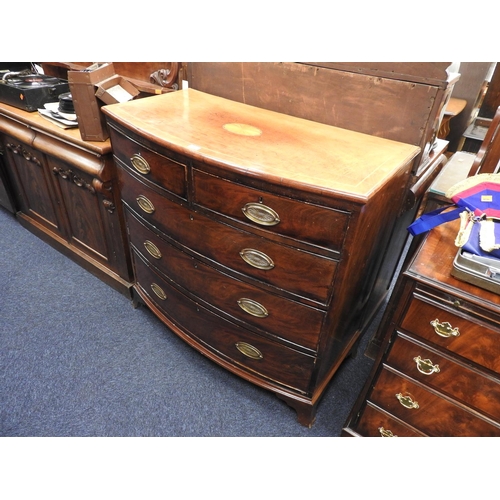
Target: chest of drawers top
284 150
432 265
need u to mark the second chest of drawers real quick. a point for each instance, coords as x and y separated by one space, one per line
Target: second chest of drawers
439 374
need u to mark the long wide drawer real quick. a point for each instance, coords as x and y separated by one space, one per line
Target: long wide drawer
236 345
284 318
303 221
460 334
425 410
298 272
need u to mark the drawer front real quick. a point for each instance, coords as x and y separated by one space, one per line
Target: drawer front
166 173
461 335
302 221
300 273
430 413
281 317
234 344
443 374
375 423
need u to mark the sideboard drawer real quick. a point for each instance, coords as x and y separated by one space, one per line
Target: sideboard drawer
165 172
239 346
459 334
425 410
462 383
298 272
283 318
303 221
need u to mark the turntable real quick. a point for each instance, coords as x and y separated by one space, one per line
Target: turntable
30 91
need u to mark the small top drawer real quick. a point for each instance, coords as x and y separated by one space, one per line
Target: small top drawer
462 335
166 172
320 226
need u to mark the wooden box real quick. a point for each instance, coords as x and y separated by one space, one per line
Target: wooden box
82 84
116 89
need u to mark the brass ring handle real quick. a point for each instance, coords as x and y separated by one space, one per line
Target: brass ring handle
261 214
253 308
386 432
257 259
249 350
152 249
426 366
444 329
140 164
145 204
158 291
407 401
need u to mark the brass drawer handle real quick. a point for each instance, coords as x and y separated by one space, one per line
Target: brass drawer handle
152 249
261 214
425 366
407 401
386 433
444 329
158 291
249 350
253 308
145 204
257 259
140 164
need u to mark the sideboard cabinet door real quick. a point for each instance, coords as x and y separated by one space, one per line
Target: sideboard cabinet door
65 192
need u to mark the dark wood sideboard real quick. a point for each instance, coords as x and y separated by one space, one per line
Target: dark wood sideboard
438 372
65 191
254 233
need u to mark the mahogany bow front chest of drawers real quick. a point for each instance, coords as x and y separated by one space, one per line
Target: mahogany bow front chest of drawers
256 236
438 373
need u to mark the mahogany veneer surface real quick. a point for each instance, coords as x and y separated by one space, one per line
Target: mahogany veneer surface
255 235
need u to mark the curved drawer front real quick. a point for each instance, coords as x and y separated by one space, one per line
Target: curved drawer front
292 270
229 342
303 221
446 376
281 317
426 411
458 334
375 423
166 173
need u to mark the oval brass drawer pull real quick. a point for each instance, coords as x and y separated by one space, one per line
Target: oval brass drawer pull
145 204
261 214
257 259
249 350
158 291
444 329
140 164
407 402
386 433
425 366
253 308
152 249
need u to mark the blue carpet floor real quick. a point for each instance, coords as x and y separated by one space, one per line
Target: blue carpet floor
76 359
